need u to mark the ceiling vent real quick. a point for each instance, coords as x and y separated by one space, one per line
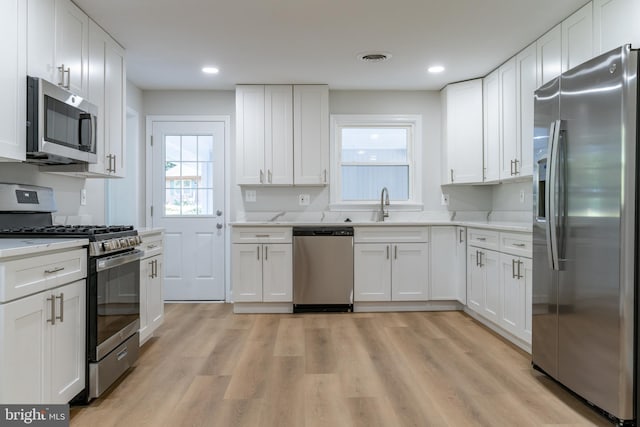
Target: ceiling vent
374 56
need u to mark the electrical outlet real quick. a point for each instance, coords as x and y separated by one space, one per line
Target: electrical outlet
83 197
444 201
304 199
521 196
250 195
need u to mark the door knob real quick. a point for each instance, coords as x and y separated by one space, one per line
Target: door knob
218 212
219 226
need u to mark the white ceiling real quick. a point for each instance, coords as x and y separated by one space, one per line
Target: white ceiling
317 41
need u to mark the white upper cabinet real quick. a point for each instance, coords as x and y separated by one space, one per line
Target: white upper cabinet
13 32
549 48
107 89
72 47
577 38
310 134
278 136
491 101
264 134
41 41
509 142
526 84
250 135
615 22
462 132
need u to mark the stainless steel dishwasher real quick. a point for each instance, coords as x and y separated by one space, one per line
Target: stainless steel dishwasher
322 269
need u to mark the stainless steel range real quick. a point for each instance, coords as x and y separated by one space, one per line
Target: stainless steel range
113 281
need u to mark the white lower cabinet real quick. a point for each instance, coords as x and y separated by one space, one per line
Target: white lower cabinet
262 272
391 271
483 285
151 285
42 337
515 300
448 263
499 284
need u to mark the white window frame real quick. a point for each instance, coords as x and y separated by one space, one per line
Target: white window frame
414 153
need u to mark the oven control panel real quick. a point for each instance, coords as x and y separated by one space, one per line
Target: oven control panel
114 245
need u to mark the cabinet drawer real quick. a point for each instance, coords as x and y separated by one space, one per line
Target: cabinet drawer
25 276
483 238
152 245
516 244
261 235
396 234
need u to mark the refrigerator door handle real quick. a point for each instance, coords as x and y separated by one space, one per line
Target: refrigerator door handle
550 190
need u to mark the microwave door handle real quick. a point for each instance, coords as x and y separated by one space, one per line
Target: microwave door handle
83 117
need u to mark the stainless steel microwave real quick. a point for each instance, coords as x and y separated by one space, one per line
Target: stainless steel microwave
61 126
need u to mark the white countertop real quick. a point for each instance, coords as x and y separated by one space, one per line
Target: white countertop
493 225
26 246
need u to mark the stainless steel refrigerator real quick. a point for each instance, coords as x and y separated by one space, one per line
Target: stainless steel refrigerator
585 231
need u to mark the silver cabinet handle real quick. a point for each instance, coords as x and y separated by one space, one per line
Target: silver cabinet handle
258 252
513 269
477 259
151 266
263 235
64 71
395 252
155 268
519 245
325 176
461 241
266 253
123 353
61 298
115 164
511 169
269 175
53 270
152 246
387 251
515 169
519 264
480 258
482 239
53 310
261 177
451 171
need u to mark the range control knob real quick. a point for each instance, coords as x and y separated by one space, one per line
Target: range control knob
106 246
124 243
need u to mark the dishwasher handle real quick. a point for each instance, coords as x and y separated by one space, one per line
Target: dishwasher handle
322 231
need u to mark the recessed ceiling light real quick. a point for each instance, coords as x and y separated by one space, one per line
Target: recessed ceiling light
210 70
436 69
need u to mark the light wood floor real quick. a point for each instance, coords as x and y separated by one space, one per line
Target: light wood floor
209 367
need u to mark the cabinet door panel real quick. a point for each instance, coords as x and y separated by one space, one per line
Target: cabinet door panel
146 269
41 40
277 267
68 343
247 272
249 148
511 295
13 34
475 281
491 276
72 30
526 271
615 22
444 264
491 99
25 342
577 38
278 150
549 48
372 272
115 108
527 83
508 118
410 272
310 134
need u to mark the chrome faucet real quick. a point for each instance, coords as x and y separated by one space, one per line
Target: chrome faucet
384 201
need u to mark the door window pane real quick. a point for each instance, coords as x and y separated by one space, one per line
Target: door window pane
189 175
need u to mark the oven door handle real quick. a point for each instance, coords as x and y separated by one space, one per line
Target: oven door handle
118 260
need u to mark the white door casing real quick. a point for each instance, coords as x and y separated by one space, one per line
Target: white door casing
188 199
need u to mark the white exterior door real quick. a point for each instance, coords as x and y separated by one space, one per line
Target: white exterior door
188 199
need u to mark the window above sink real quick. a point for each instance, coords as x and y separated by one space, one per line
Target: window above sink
369 152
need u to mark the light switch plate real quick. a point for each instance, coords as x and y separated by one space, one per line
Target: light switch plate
521 196
83 197
444 201
250 195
